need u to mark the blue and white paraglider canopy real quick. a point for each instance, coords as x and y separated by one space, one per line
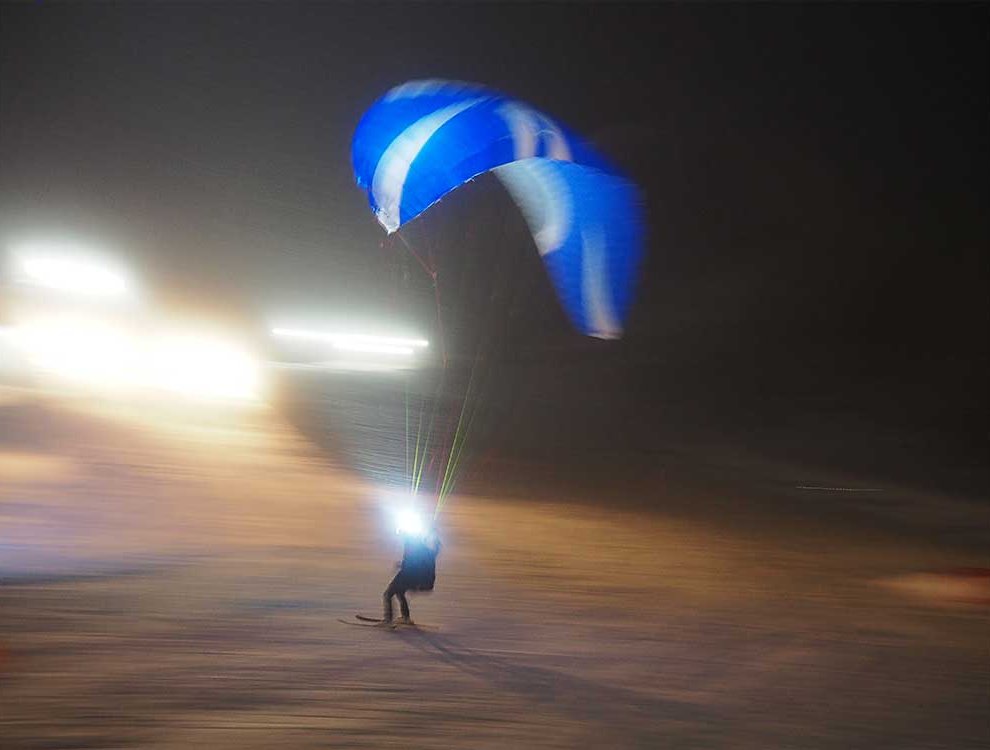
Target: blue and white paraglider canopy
424 139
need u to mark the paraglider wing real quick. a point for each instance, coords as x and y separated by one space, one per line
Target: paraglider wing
587 227
425 138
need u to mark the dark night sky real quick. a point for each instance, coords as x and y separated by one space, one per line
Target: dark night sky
816 176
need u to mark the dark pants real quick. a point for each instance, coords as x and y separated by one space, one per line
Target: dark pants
397 588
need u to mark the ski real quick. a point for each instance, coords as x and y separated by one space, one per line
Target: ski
366 618
362 624
363 621
395 624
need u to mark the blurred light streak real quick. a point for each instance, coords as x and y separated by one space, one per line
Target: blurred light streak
64 269
373 348
356 342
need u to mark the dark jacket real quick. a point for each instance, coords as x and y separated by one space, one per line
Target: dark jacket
418 568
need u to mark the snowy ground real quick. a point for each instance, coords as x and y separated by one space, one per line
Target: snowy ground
172 579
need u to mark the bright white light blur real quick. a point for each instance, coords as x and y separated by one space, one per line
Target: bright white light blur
409 523
355 342
79 349
97 344
97 353
203 367
62 270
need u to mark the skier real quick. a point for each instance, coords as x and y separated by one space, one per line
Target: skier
417 572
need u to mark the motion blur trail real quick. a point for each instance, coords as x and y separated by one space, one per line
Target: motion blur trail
172 579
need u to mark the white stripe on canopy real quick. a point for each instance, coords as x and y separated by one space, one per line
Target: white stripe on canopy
600 313
393 167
